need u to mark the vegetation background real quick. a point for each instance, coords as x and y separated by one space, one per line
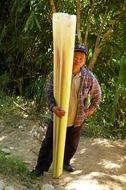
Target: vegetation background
26 59
26 55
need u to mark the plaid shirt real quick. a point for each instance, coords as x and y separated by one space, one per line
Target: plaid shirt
88 86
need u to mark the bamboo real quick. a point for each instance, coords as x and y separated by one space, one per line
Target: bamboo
64 26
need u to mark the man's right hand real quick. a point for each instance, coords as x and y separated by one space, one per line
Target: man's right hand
58 111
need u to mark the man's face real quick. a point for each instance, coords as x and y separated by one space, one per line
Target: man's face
78 61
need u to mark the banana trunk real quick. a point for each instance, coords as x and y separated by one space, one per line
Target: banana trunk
64 26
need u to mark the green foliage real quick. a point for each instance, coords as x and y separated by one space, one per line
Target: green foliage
36 89
25 50
15 166
110 120
15 169
119 105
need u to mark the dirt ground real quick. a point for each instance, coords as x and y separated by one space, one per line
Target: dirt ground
100 163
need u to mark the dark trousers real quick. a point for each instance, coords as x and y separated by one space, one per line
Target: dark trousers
46 151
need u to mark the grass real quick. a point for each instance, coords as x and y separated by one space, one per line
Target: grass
11 167
15 170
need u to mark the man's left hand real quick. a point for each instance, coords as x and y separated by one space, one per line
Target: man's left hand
89 112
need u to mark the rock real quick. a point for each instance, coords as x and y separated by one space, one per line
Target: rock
48 187
6 150
9 188
20 126
2 185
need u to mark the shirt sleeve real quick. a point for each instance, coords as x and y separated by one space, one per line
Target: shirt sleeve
95 94
49 92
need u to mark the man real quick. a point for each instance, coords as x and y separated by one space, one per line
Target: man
83 85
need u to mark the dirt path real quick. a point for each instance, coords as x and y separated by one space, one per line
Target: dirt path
100 163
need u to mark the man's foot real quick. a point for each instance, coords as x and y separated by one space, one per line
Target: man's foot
68 168
36 173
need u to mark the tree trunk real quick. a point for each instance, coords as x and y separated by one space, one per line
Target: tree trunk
97 48
102 38
78 22
52 5
93 60
88 23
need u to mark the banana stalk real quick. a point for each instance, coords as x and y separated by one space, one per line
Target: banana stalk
64 26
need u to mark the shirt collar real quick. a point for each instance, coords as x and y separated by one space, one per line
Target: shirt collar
77 75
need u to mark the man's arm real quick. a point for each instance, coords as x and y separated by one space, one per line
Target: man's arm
51 102
50 98
95 94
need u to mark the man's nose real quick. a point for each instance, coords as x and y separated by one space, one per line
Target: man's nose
78 61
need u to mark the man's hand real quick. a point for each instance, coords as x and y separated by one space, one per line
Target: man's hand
89 112
58 111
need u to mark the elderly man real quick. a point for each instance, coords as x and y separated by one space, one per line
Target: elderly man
83 85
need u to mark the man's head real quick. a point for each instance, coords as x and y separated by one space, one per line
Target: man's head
80 48
79 60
